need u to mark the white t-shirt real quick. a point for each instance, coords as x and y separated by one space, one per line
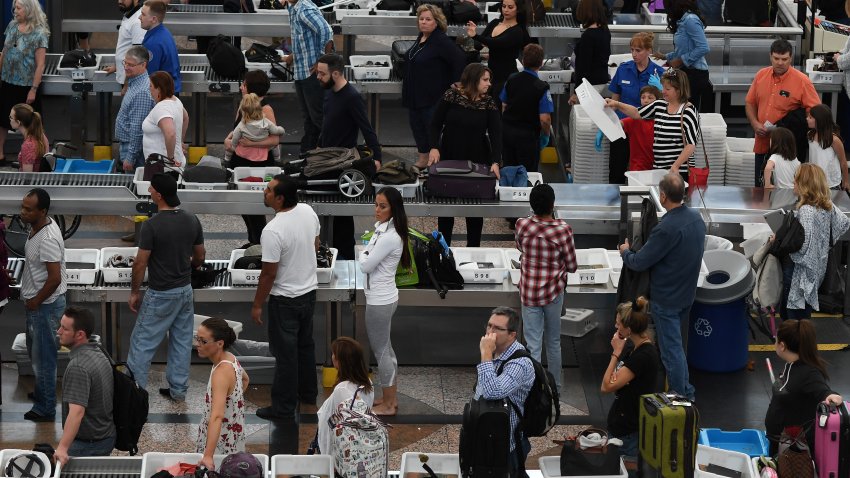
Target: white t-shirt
784 171
827 160
290 240
129 33
153 141
342 392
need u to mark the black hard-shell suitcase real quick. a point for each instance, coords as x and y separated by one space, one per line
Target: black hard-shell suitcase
485 441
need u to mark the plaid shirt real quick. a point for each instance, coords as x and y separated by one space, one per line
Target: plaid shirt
310 34
513 383
135 106
548 254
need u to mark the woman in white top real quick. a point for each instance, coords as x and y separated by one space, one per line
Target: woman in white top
352 376
222 428
782 164
165 126
379 262
826 149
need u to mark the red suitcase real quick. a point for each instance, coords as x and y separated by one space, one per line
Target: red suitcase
832 440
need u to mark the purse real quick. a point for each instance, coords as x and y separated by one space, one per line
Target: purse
697 177
155 164
259 53
789 238
602 459
78 59
795 459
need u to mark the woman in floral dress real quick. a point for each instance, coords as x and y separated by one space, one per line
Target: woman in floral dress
221 431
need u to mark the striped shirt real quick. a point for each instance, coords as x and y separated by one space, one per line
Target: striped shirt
310 34
513 383
668 143
45 246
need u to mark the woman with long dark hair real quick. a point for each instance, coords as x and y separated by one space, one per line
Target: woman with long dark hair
352 377
594 46
384 254
800 387
690 45
467 126
504 38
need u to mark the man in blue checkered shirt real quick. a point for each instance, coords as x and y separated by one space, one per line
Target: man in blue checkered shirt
516 377
135 106
311 38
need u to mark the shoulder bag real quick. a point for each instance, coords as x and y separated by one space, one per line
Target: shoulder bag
599 459
789 238
697 177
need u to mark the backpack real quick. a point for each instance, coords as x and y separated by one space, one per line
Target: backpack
435 263
360 444
129 406
403 277
226 60
768 289
397 172
485 439
542 405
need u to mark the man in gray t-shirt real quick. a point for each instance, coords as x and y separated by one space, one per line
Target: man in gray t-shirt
170 244
87 389
43 292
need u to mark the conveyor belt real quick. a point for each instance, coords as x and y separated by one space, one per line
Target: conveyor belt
65 179
105 467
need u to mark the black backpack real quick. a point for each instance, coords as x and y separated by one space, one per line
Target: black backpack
485 443
542 405
225 59
435 265
129 407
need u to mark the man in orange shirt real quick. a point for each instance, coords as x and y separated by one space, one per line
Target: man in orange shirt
776 91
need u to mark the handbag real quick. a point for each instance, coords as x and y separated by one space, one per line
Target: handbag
795 459
697 177
155 164
789 238
78 59
398 56
464 11
259 53
831 290
601 459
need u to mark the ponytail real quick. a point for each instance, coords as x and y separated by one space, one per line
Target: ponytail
800 337
634 315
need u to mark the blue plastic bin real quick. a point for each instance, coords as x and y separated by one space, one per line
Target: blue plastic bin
82 166
747 441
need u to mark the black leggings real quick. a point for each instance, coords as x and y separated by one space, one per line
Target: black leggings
700 85
474 226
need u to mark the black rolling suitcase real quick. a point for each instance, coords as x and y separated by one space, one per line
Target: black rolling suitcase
485 442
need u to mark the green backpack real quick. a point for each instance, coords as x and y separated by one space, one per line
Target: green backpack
404 277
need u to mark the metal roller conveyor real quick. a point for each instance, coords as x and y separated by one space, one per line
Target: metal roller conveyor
102 467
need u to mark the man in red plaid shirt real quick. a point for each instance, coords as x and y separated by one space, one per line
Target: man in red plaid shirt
548 254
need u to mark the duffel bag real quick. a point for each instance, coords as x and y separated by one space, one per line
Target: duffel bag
461 179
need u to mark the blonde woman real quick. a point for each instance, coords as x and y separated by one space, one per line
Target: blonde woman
803 274
253 126
22 61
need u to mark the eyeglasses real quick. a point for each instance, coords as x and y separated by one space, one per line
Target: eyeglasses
496 328
129 65
201 340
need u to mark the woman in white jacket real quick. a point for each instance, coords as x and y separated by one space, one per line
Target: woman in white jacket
379 262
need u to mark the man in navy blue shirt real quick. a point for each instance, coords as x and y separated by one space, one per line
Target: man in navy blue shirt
159 42
343 116
673 255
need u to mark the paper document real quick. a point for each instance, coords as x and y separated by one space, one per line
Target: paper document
594 105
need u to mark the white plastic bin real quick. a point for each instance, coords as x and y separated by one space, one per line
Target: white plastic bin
590 257
142 185
393 13
507 193
6 455
732 460
577 322
117 275
616 261
817 76
152 462
206 186
442 464
550 466
292 465
513 254
407 190
252 276
469 262
370 72
261 172
82 276
654 18
647 178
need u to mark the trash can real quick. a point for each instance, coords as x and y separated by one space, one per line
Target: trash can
714 243
718 338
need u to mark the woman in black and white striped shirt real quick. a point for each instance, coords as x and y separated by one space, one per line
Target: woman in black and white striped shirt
676 123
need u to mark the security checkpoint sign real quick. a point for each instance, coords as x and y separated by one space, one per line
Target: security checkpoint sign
594 105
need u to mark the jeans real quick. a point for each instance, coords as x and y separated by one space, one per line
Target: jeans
784 312
124 155
514 460
537 321
420 125
759 163
96 448
711 11
671 333
169 311
42 346
291 343
311 98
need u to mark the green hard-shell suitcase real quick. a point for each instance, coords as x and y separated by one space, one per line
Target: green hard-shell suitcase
667 437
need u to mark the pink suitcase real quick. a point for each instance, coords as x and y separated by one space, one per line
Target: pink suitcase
832 440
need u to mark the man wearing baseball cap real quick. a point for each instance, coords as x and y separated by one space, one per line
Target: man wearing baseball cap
171 243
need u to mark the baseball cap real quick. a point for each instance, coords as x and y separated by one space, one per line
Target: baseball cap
241 465
166 185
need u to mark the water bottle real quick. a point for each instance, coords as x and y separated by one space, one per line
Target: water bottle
365 237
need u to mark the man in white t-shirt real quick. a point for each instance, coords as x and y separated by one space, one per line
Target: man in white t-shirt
129 33
288 275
